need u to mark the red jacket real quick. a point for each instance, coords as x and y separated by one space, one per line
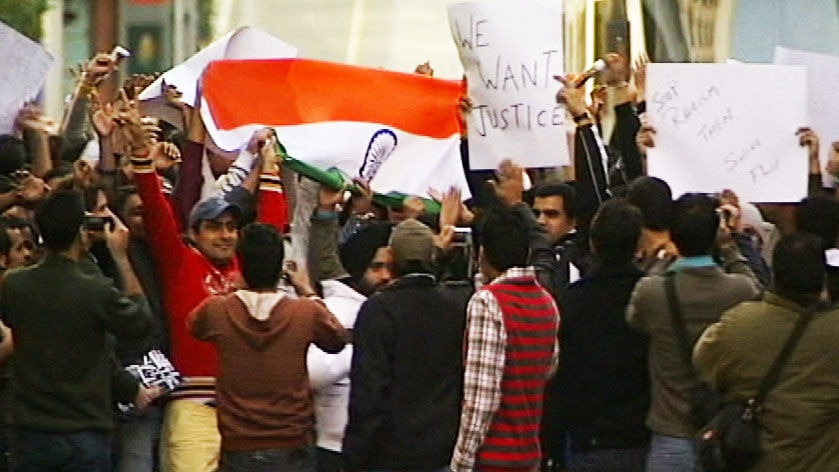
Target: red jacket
188 277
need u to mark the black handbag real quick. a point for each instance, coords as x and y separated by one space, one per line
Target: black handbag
729 437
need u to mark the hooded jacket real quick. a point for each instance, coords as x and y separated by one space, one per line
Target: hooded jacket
264 398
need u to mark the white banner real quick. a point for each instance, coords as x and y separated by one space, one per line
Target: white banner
729 126
510 52
24 68
247 42
823 96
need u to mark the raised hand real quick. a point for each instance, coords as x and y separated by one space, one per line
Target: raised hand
639 75
809 139
645 138
574 98
510 183
164 155
31 117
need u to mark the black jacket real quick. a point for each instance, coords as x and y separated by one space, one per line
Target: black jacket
602 389
406 378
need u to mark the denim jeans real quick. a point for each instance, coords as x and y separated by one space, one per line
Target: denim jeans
136 443
609 460
269 460
81 451
672 454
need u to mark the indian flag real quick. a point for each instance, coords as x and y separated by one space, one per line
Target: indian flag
399 131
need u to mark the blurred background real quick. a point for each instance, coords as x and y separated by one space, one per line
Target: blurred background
399 34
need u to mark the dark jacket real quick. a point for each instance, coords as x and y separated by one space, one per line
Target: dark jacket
602 388
62 366
406 377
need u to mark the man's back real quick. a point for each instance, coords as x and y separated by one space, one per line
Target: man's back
703 294
62 366
602 385
799 416
406 377
263 389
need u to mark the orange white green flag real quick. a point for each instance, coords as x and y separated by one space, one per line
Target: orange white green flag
399 131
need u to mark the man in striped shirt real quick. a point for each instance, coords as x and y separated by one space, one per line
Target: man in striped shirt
511 349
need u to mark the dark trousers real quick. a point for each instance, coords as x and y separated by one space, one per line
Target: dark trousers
269 460
328 461
609 460
80 451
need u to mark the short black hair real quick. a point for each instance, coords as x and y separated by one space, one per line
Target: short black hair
654 198
262 252
799 265
819 216
559 189
59 219
615 232
504 238
121 196
695 224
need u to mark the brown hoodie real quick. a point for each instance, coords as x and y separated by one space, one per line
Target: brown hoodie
264 400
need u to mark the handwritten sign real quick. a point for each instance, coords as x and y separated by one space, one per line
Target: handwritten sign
823 95
726 126
510 52
24 68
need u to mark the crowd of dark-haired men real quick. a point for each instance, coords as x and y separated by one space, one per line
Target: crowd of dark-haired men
565 326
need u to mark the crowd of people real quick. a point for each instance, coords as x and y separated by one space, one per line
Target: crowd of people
320 331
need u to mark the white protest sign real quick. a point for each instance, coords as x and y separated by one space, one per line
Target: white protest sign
823 95
24 68
510 52
727 126
248 42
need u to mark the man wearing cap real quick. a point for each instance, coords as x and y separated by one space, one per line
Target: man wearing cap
367 259
407 372
190 272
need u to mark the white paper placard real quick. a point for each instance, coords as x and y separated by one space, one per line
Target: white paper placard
822 96
24 68
510 52
729 126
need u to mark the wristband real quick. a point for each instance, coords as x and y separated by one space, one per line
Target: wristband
582 116
641 107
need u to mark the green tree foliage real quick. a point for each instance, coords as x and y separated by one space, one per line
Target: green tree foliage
24 16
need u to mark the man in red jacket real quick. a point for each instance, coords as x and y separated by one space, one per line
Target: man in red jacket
190 272
510 351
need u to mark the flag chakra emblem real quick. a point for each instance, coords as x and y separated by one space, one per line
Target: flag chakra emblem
379 148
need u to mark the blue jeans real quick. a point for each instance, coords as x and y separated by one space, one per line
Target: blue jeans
672 454
301 459
609 460
137 438
81 451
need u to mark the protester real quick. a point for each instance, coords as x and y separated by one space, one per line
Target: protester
264 399
734 354
369 264
703 291
63 365
603 386
406 379
510 350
